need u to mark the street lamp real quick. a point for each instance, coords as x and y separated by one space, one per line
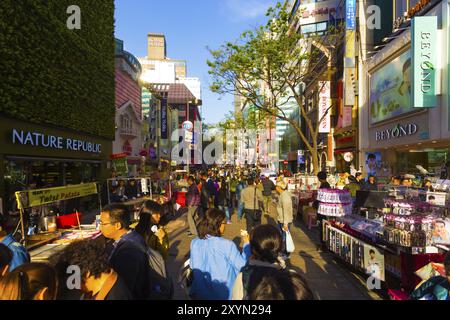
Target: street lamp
188 152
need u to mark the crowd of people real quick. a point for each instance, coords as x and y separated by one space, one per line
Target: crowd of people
128 261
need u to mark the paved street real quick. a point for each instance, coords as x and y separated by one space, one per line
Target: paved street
327 278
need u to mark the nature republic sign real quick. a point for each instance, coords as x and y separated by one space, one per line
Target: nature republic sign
424 47
38 139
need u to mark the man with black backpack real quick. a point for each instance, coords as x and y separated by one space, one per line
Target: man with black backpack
141 268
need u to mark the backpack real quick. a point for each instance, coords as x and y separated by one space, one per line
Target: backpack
161 284
233 185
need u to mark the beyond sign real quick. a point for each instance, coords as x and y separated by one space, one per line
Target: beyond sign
424 47
37 139
398 131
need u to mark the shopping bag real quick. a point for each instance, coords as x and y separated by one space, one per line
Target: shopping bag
290 247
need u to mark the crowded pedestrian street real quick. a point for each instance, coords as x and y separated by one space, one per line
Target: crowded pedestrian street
213 158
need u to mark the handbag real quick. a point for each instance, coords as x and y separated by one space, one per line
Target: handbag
290 247
257 213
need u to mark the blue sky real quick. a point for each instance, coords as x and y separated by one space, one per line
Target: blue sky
190 26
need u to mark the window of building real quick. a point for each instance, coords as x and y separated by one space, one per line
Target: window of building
125 122
319 28
401 7
294 10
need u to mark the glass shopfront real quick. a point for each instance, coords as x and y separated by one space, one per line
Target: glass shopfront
431 159
22 173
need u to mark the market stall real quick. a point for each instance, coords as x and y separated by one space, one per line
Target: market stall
45 226
134 192
406 232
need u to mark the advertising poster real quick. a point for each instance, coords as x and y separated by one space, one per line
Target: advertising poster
373 163
120 166
374 262
437 198
441 231
390 89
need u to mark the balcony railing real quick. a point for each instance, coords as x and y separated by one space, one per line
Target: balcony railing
128 132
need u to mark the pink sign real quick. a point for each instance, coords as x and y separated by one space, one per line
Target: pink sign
347 117
324 107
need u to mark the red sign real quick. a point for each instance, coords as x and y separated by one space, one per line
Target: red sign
127 148
118 156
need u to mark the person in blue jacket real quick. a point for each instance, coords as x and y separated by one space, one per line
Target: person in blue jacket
435 288
19 253
215 261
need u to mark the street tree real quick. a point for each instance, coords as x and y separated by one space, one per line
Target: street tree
268 66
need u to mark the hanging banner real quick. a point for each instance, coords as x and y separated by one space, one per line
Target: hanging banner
39 197
324 107
424 60
164 119
349 89
347 117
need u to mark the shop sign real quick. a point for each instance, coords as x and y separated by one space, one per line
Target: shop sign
324 107
424 47
37 139
396 132
319 11
350 14
33 198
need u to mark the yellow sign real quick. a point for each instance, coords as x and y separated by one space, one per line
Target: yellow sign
38 197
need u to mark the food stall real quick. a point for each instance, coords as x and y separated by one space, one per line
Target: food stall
303 189
398 235
44 227
134 192
180 187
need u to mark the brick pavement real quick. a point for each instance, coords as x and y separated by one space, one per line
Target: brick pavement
327 278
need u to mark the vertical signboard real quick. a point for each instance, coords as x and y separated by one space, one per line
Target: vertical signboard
423 46
324 107
350 14
350 52
164 119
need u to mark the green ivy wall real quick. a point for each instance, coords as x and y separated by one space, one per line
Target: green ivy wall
55 76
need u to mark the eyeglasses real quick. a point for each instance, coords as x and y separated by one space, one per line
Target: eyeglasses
100 222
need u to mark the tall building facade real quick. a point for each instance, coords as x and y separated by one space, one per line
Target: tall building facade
404 116
315 20
168 86
128 103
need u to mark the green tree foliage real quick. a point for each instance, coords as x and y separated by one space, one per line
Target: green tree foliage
266 67
55 76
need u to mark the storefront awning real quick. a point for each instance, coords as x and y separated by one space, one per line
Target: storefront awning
344 150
